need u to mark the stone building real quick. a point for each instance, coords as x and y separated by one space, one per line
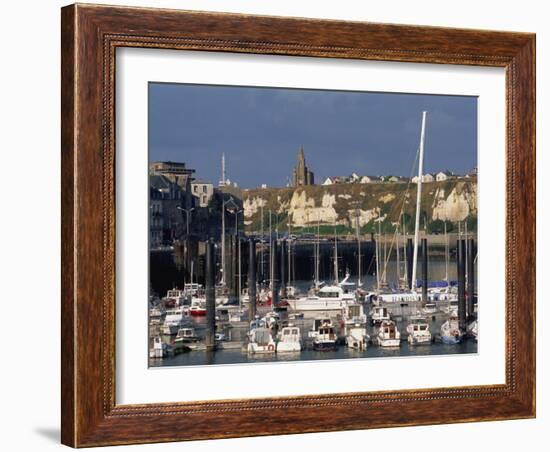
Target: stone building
202 191
301 175
166 222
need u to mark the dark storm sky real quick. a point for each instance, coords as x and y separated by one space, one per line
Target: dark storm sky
261 129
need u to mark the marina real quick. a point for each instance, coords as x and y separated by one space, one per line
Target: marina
254 284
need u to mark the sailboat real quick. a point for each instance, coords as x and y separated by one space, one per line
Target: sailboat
406 296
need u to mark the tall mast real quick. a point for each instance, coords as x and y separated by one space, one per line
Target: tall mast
418 199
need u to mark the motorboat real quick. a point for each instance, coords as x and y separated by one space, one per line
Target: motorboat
388 335
378 314
325 339
471 331
429 309
198 307
289 339
186 336
174 319
357 337
418 331
354 314
327 298
450 331
260 341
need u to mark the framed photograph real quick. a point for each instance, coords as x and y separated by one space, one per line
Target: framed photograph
281 225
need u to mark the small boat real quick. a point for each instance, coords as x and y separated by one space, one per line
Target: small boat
379 314
155 315
198 307
325 339
419 331
317 323
289 340
429 309
327 298
260 341
159 349
295 315
357 337
388 334
355 314
174 319
450 331
186 336
472 330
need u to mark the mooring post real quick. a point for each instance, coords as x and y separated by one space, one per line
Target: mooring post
275 276
234 288
251 279
461 273
210 288
424 272
471 278
410 263
283 270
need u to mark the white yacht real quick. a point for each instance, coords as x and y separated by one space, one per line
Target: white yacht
418 331
187 337
378 314
325 339
357 337
388 334
328 298
174 319
355 314
289 340
260 341
472 330
450 331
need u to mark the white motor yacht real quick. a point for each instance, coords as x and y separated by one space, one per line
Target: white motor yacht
388 334
289 340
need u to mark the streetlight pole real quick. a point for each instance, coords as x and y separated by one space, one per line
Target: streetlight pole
187 213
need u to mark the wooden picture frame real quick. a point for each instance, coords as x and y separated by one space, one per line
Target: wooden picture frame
90 36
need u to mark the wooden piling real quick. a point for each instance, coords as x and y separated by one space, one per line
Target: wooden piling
471 278
410 263
461 273
275 283
424 272
251 279
210 289
283 269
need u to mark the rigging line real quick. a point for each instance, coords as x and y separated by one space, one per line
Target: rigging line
394 239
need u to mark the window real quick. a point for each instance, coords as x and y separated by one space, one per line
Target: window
204 190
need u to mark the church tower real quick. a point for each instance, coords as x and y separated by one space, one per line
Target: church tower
301 175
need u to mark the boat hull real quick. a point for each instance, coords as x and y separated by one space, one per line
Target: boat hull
197 312
419 340
451 340
288 347
324 346
395 343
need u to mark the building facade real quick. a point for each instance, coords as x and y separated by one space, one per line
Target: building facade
301 174
202 191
